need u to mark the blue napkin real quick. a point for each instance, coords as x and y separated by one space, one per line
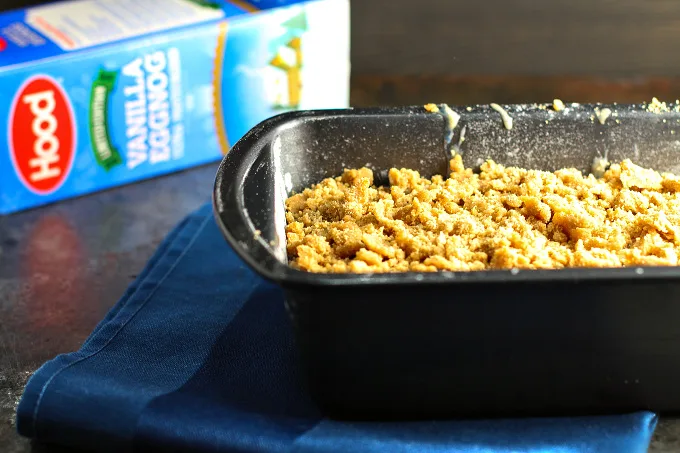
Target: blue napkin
198 356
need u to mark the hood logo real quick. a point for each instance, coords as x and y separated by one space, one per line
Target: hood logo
42 135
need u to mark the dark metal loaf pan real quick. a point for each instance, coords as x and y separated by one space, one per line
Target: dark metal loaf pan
487 343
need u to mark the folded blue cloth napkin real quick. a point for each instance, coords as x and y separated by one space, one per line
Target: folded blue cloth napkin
198 355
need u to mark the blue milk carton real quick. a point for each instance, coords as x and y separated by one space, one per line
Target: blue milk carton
99 93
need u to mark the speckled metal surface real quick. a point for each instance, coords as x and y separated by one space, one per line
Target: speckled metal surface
62 267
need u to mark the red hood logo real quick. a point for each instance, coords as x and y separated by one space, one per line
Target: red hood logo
42 136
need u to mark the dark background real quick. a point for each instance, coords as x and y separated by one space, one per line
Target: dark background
462 52
611 38
459 51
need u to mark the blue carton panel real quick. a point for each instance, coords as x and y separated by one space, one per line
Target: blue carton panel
97 95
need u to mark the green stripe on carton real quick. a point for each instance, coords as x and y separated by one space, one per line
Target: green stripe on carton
105 153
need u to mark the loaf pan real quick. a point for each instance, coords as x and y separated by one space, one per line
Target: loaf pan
495 343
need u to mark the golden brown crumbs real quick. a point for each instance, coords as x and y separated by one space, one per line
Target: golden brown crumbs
432 108
501 218
656 106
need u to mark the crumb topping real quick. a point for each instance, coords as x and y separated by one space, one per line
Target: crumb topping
500 218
